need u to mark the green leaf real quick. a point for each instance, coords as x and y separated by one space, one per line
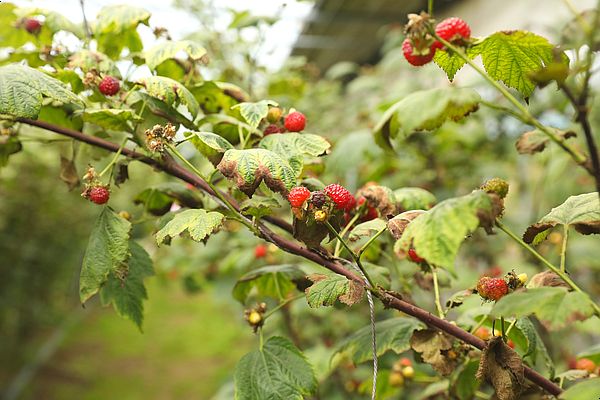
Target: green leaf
11 35
424 111
275 281
24 88
118 18
248 168
465 385
170 91
259 206
54 21
392 334
198 223
210 145
125 287
511 56
437 234
414 198
367 229
277 371
326 289
587 389
116 119
555 307
152 109
253 113
157 200
593 353
451 63
9 145
168 50
107 250
581 212
92 60
296 143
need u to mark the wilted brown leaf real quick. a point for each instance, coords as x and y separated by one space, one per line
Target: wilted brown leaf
502 367
436 349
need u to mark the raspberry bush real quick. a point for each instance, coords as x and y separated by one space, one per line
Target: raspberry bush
412 239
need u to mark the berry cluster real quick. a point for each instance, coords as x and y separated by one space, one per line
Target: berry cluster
419 47
293 122
401 370
93 189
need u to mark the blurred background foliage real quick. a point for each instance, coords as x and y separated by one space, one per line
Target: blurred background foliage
194 331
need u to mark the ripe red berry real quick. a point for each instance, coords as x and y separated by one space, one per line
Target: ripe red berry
32 25
585 364
416 59
298 196
414 257
405 362
453 29
99 194
340 195
295 122
492 288
482 333
271 129
260 251
510 344
109 86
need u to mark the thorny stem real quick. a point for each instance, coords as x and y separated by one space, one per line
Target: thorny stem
547 263
436 291
563 250
526 116
389 300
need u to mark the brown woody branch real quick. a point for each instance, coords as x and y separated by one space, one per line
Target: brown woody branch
170 167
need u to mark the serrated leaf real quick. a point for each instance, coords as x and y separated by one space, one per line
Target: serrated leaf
535 345
511 56
582 212
88 60
535 141
24 88
248 168
414 198
210 145
118 18
157 200
151 108
451 63
555 307
424 111
465 385
200 224
170 91
437 234
326 289
275 281
367 229
116 119
125 288
296 143
107 250
586 389
253 113
169 49
392 334
277 371
259 207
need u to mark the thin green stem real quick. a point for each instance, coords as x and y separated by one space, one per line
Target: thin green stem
563 249
430 7
355 258
511 326
436 291
281 305
337 250
479 324
260 338
370 241
526 116
547 263
115 158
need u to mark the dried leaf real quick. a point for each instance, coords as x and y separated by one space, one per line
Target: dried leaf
535 141
502 367
380 197
68 173
398 224
546 278
436 349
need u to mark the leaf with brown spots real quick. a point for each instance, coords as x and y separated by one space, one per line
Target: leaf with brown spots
535 141
502 367
436 349
326 289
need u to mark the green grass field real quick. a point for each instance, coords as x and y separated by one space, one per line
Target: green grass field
189 348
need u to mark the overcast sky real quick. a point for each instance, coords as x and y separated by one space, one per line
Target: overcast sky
277 45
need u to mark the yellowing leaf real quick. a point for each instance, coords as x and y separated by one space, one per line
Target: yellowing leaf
169 49
210 145
170 92
326 289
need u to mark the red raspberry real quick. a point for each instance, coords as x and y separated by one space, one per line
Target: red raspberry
510 344
405 362
414 257
371 211
340 195
32 25
453 29
295 122
298 196
482 333
585 364
492 288
109 86
416 59
271 129
260 251
99 194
